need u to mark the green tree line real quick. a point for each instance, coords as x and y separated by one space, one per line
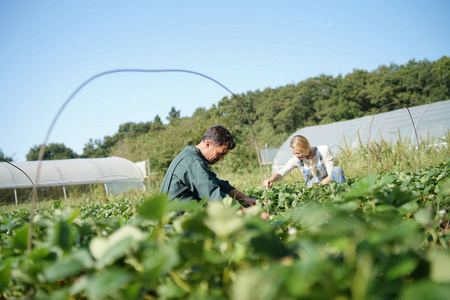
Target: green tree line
275 113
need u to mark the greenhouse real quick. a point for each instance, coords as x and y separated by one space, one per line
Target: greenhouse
431 121
115 173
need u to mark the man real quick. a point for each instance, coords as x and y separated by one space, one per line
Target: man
189 177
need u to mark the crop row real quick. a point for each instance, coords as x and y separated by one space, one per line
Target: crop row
380 237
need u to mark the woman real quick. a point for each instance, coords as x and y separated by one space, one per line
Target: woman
316 164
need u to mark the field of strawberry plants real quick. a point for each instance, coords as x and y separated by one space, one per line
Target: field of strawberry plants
385 236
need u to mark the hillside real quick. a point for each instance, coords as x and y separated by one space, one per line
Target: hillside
277 112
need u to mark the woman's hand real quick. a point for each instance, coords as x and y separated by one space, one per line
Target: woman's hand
267 183
271 180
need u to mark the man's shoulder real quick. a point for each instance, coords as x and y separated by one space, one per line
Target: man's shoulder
189 155
190 152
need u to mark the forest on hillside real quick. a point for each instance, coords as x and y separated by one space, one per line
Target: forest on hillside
274 113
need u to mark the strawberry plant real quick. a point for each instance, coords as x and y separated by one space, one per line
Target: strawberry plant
384 236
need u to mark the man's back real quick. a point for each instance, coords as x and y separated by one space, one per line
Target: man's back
189 177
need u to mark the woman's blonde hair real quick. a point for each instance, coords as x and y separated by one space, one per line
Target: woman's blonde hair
301 144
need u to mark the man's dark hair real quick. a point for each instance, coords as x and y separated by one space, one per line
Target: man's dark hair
219 136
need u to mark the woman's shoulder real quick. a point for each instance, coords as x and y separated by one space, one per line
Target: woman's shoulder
325 151
292 161
323 148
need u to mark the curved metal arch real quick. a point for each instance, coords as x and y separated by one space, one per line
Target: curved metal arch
42 149
414 128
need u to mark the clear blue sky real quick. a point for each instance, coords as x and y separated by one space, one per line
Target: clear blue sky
49 48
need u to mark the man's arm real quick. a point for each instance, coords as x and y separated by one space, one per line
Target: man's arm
241 197
203 182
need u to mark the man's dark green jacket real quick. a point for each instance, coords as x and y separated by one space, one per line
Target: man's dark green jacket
189 177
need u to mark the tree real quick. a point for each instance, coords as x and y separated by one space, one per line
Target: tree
277 112
3 157
350 99
131 129
93 149
174 115
157 123
52 152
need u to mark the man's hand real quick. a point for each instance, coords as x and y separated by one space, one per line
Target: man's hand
249 201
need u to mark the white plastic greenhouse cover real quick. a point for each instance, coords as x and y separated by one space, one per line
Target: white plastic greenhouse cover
431 120
118 173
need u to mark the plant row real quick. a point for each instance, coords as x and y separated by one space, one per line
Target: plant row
384 236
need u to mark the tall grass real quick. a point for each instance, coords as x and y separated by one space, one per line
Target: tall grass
384 156
393 156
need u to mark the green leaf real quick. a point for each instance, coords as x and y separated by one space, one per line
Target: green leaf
355 193
5 278
385 233
228 201
192 224
408 208
191 249
69 266
186 206
20 238
115 251
348 206
21 276
384 181
425 290
312 218
440 266
367 183
160 260
59 235
221 220
107 283
69 214
402 195
256 284
424 216
107 250
384 208
59 294
155 208
401 266
132 290
39 252
98 246
269 245
80 285
170 290
443 188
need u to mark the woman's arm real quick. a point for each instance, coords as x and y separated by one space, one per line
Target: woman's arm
271 180
290 165
326 180
328 159
328 162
